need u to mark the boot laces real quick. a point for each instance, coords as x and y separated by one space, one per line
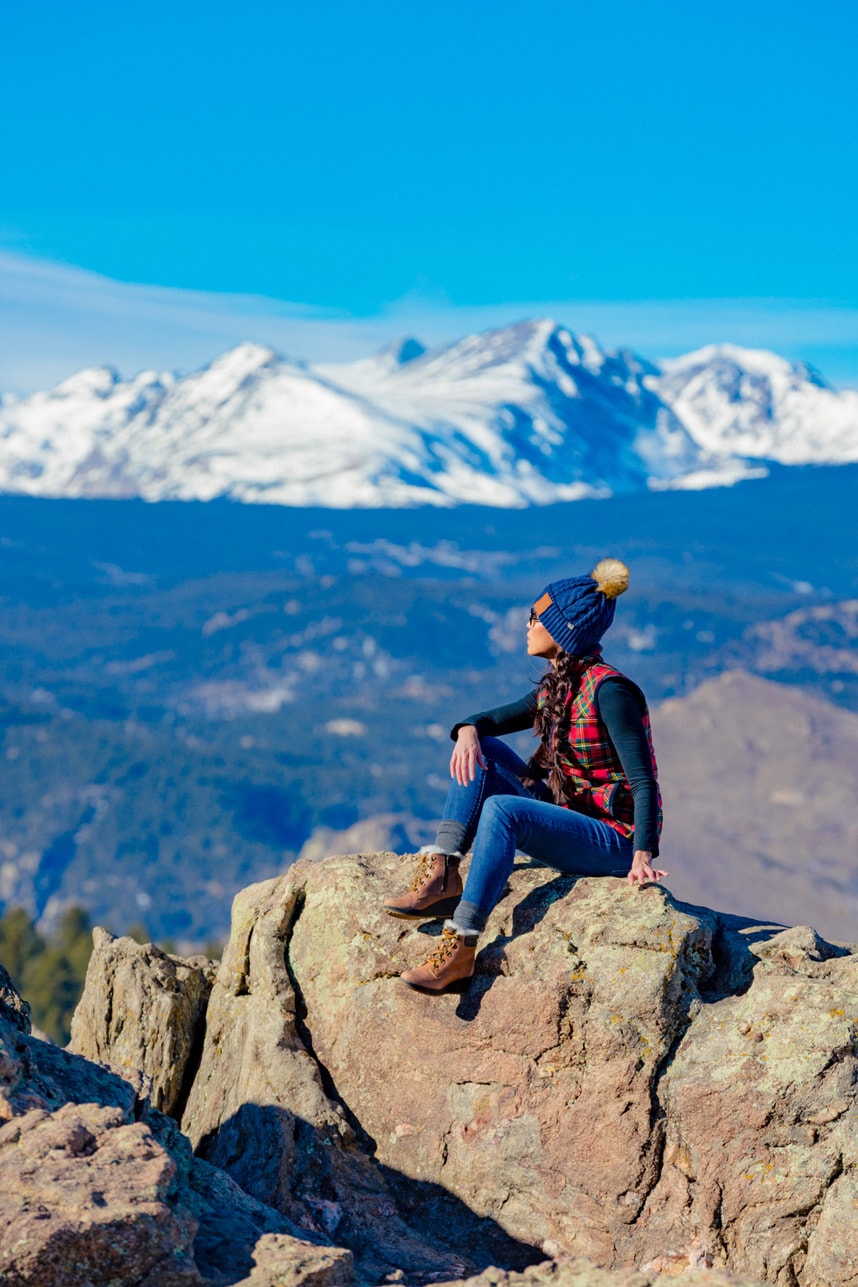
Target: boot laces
423 874
446 948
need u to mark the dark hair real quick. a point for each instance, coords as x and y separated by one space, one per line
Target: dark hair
556 711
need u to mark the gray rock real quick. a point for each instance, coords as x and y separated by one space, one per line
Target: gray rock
13 1008
143 1009
97 1187
84 1189
259 1107
281 1261
583 1273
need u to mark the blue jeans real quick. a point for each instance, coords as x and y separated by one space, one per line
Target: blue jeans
498 814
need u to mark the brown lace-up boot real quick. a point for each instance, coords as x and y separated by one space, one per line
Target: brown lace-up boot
435 889
451 962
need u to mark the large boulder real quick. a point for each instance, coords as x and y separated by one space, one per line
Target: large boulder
602 1089
87 1190
760 1112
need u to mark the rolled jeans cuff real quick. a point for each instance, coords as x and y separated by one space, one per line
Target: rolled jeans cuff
470 918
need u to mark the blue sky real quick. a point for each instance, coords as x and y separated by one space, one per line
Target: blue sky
377 164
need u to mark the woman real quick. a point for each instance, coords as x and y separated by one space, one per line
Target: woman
587 803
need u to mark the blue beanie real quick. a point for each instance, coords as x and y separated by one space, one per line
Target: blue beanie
576 613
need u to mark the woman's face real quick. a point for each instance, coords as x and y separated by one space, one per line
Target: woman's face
539 641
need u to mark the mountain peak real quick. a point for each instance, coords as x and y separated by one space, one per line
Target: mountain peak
758 405
94 381
756 362
402 351
244 360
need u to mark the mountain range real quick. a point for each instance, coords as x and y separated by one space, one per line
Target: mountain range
529 414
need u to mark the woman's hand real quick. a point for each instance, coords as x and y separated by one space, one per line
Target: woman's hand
467 754
643 870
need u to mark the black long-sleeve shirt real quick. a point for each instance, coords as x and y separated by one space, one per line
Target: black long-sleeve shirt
620 708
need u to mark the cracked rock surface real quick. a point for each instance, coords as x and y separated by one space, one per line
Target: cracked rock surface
533 1099
262 1107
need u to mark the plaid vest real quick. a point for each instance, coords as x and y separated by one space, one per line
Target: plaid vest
592 775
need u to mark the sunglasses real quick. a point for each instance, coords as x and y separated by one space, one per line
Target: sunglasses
533 619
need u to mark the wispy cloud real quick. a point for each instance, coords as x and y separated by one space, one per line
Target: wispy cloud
56 319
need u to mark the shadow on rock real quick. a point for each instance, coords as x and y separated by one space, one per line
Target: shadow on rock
526 915
391 1222
741 943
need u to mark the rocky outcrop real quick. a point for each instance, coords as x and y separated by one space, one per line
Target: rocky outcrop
646 1084
98 1188
85 1187
143 1009
760 1118
626 1075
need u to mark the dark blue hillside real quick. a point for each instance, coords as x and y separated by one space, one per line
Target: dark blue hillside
791 520
189 691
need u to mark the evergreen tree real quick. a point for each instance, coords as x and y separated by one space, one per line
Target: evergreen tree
48 972
19 944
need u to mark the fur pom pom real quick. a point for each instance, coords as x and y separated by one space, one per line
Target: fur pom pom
611 577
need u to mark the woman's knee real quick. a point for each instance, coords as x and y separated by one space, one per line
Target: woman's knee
499 811
492 748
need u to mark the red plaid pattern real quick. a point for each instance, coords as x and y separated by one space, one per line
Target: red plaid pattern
596 783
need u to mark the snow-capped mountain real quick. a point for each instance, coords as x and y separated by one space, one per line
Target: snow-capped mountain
750 403
528 414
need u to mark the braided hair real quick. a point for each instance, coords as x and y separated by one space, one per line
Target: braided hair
553 721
